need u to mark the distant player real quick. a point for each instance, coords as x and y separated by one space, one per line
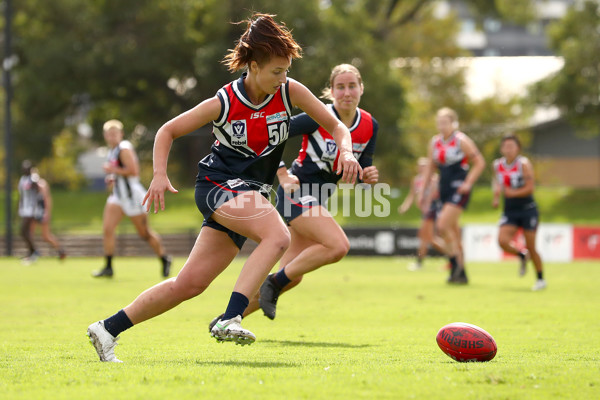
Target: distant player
429 212
451 151
250 118
514 180
316 238
127 193
35 207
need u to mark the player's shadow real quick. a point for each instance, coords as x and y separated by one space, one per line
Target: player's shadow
315 344
251 364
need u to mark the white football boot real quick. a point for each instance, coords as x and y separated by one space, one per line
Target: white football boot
540 284
103 342
231 331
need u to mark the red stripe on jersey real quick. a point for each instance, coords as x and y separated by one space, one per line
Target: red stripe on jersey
251 124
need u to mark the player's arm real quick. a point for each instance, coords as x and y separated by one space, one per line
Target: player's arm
307 102
410 197
478 164
288 181
205 112
370 171
45 189
421 200
528 182
130 167
496 189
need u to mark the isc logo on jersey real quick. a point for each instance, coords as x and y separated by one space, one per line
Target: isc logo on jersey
239 136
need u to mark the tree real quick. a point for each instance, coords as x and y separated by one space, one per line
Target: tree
575 89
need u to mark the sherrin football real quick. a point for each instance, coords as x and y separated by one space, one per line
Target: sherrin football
465 342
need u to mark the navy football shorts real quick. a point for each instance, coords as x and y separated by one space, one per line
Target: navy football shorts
526 219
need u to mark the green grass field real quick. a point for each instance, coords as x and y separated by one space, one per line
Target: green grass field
363 328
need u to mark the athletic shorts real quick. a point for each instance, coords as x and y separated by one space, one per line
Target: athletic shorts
131 206
526 219
434 210
212 192
292 205
453 197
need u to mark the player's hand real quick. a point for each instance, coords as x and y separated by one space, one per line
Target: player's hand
156 192
370 175
495 203
108 168
509 192
349 167
289 182
464 188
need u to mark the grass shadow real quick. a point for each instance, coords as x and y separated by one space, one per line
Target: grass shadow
315 344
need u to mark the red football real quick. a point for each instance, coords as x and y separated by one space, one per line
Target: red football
465 342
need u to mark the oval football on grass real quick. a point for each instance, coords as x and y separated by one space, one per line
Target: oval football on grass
466 342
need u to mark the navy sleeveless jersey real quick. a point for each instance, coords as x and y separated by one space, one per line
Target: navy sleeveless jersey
511 175
450 159
318 157
250 137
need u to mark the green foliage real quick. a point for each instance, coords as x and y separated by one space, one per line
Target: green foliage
60 169
575 88
149 61
363 328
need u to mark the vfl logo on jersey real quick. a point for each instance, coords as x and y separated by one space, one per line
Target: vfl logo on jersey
330 151
278 117
239 136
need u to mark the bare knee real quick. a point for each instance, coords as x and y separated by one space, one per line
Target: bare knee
503 242
280 240
187 290
339 250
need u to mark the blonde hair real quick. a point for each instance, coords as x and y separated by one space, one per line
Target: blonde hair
448 112
338 70
113 123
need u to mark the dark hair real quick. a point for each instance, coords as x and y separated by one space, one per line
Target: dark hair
511 137
263 39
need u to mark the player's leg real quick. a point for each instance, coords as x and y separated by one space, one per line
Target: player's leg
297 244
113 213
140 222
329 245
203 265
27 225
530 237
447 227
51 239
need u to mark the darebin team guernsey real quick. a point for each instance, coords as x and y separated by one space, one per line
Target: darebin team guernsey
450 159
249 137
318 157
511 175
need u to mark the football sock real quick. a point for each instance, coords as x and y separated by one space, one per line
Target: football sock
109 262
280 278
453 263
540 274
164 259
419 260
522 255
237 305
117 323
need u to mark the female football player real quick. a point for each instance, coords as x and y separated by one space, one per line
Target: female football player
35 207
250 118
429 212
451 150
316 238
122 179
515 181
